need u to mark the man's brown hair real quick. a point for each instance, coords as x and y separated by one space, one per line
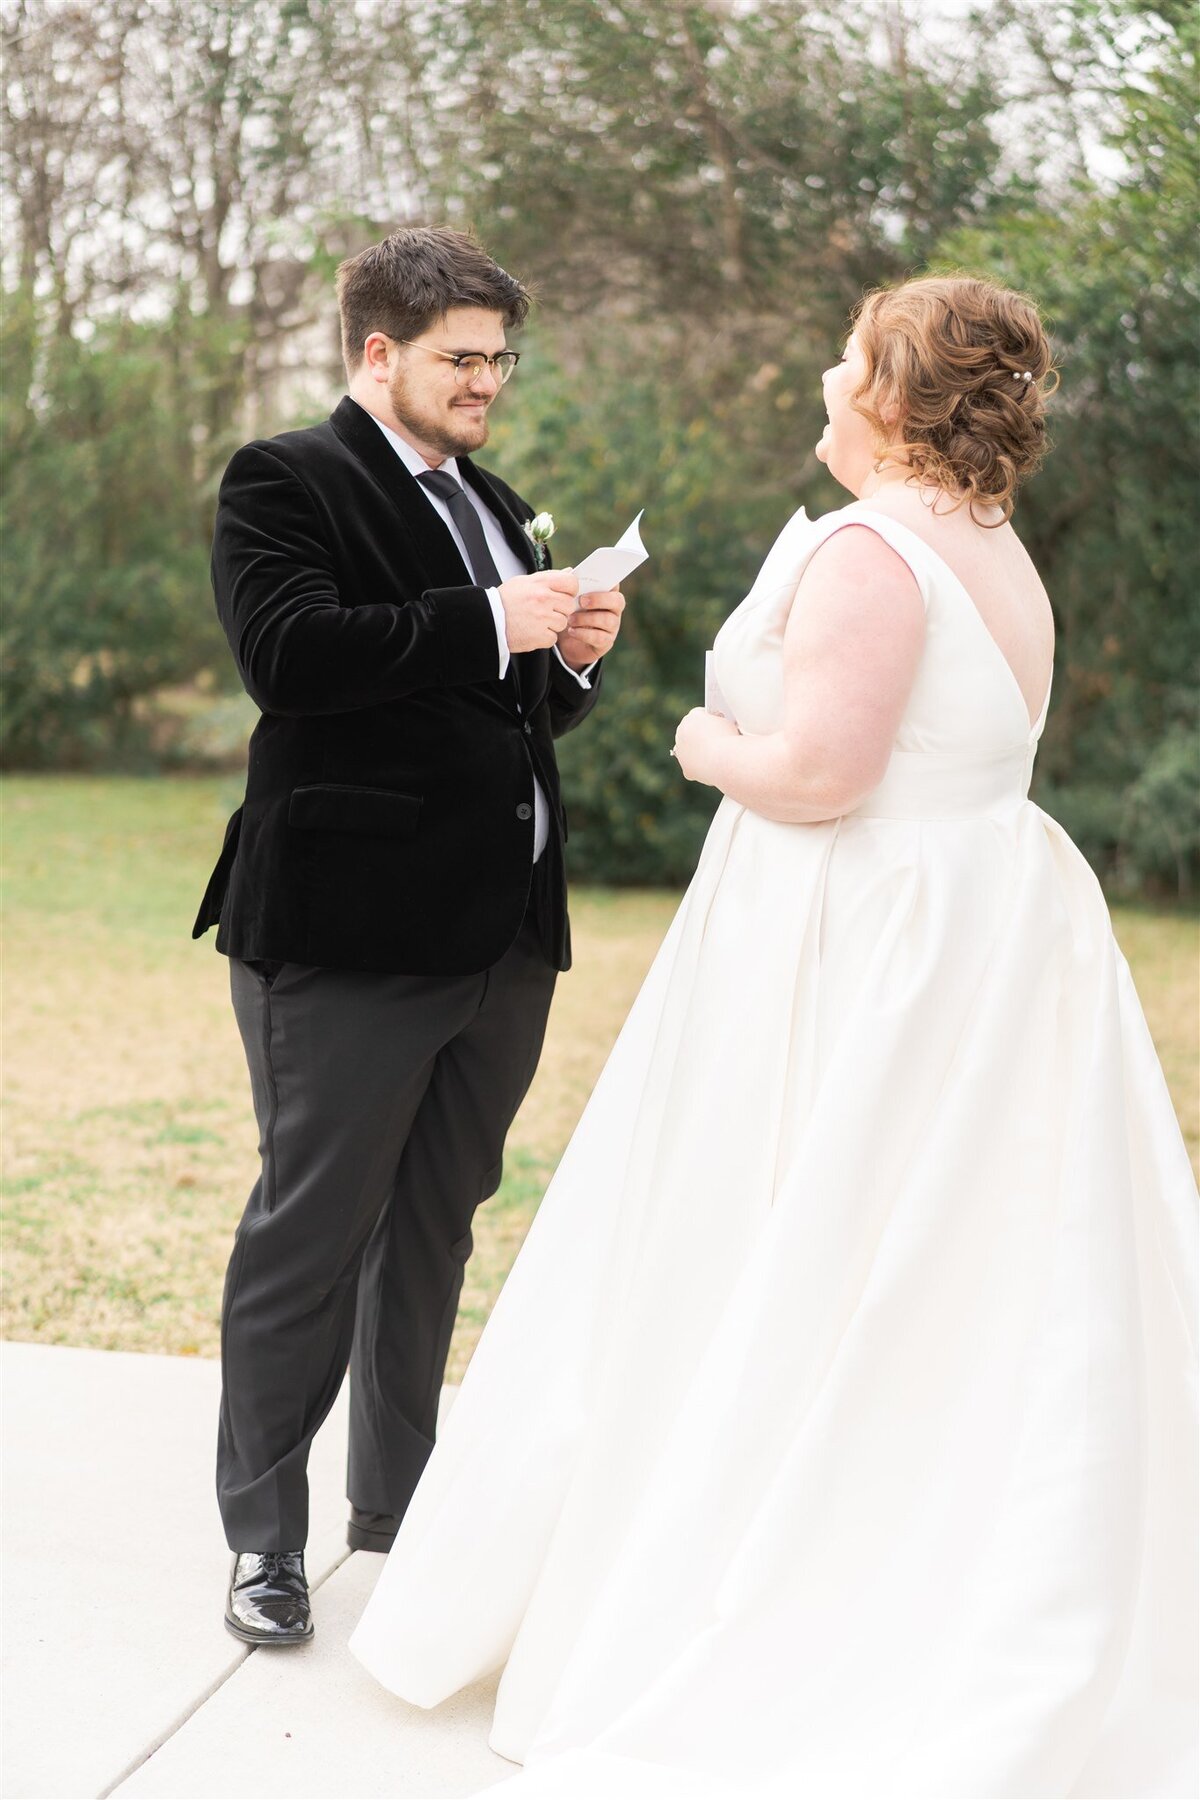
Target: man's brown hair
401 285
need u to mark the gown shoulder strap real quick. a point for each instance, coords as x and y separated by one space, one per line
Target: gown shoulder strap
907 545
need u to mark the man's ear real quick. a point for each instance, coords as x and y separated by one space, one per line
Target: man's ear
375 355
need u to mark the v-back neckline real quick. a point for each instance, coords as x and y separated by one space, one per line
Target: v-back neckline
1034 726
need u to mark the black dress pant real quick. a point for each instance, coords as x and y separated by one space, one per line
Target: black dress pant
382 1103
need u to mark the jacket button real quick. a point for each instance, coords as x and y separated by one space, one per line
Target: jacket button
524 811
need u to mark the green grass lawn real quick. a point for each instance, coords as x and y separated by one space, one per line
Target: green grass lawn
129 1140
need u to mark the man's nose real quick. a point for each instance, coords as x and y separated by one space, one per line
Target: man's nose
486 382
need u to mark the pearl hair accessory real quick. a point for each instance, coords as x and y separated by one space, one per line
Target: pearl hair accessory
1022 375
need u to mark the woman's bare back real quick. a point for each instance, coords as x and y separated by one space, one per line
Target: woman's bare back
998 574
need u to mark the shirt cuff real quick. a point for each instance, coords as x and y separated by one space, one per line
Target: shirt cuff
581 675
497 606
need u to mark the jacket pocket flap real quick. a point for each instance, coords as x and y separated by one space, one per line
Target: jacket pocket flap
374 812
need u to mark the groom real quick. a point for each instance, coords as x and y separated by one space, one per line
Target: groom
391 894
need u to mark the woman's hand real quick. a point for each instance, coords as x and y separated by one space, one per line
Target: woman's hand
699 733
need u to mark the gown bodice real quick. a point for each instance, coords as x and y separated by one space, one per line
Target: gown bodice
964 746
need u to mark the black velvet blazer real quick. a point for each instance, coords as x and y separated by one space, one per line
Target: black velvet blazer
388 818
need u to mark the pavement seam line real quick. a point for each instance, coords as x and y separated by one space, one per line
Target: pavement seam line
202 1700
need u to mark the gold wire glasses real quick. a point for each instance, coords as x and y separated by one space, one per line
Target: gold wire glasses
470 366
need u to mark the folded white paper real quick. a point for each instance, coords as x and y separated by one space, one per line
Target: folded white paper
608 568
714 699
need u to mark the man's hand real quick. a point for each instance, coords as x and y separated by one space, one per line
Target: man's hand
537 608
593 629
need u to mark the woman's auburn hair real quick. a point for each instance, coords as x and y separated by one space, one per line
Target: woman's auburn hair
946 357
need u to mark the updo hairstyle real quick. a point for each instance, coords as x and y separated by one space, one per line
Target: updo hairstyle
951 354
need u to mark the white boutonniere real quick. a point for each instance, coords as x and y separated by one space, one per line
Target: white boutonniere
539 530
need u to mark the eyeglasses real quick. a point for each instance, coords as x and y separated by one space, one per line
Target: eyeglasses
470 367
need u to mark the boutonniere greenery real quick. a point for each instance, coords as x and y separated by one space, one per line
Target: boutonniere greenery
539 530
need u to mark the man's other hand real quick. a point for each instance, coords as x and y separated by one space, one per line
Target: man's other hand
592 630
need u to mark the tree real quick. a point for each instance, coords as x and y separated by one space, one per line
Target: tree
700 193
1110 521
106 545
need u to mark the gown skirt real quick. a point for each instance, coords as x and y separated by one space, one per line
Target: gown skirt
835 1432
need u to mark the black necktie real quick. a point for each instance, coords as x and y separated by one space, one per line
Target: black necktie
467 520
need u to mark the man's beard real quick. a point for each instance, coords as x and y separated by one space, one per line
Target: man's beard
437 429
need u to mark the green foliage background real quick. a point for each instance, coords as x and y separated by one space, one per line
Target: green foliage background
698 196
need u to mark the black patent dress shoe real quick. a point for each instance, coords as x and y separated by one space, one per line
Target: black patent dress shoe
371 1530
268 1598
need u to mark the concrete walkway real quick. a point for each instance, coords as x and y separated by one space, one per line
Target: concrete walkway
118 1675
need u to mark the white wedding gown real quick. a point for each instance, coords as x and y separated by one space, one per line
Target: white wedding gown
835 1432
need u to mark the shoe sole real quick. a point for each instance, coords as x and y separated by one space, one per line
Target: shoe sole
250 1637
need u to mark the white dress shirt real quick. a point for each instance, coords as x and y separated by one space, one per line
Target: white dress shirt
508 564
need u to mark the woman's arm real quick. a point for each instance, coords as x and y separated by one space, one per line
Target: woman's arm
853 641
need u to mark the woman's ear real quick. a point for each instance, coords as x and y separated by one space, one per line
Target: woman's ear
889 412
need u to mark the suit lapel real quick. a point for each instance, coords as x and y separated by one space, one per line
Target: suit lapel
434 549
531 669
515 536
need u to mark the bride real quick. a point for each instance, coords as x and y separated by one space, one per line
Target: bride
835 1432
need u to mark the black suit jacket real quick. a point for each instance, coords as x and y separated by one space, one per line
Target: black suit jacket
388 818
